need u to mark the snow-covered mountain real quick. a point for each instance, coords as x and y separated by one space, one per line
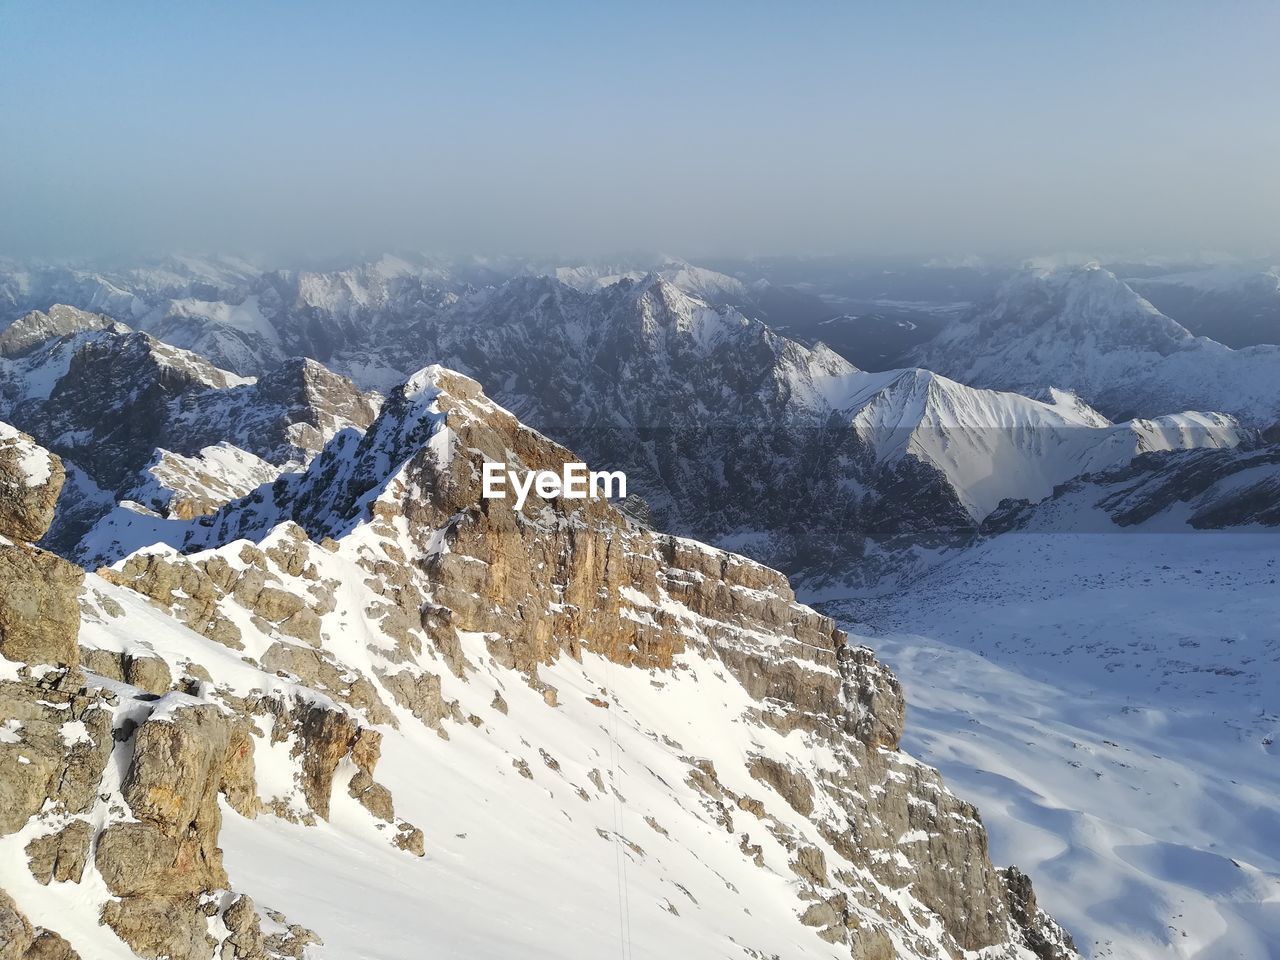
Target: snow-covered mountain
736 434
242 317
1083 329
1170 491
119 406
729 431
248 319
365 710
1234 303
708 285
306 576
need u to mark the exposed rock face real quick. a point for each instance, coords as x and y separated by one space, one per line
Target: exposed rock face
1041 935
30 481
39 613
157 850
453 591
61 856
573 579
39 620
734 433
1212 490
37 327
107 399
19 940
44 773
174 485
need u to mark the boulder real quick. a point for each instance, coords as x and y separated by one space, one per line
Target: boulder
30 480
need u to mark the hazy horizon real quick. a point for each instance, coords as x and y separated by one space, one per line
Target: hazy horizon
294 131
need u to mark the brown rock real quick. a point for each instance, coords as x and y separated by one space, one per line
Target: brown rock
30 480
50 770
811 864
50 946
173 928
61 856
410 839
16 932
245 940
792 785
20 940
39 606
373 796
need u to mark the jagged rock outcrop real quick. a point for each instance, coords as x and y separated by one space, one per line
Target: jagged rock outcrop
30 481
381 595
466 590
145 421
45 772
40 326
1042 936
1203 489
127 782
20 940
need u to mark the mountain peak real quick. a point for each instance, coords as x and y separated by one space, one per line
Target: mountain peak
1083 329
40 326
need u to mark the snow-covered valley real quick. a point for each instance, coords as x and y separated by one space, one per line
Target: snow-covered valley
1111 701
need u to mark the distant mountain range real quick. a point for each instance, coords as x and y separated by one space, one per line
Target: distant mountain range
280 639
1085 330
730 431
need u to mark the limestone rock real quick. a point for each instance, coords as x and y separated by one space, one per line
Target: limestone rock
171 786
245 941
61 856
39 606
149 673
51 771
161 928
30 480
1040 933
373 796
20 940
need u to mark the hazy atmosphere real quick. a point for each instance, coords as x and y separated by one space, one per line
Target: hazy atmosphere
710 128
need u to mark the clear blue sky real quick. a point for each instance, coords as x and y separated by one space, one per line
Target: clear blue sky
591 127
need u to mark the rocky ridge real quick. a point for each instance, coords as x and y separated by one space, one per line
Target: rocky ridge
735 434
1167 491
135 417
118 764
732 433
375 594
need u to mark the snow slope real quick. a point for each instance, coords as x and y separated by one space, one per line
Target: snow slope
1111 699
712 774
1235 303
993 446
1083 329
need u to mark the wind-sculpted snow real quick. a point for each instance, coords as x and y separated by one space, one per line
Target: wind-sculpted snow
1084 330
1109 696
